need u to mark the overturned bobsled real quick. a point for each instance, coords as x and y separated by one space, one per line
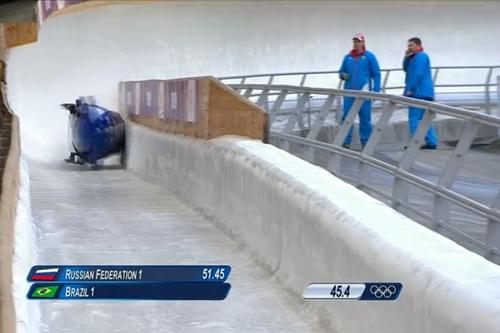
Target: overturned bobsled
96 133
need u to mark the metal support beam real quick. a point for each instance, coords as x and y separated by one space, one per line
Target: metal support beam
277 104
377 131
248 93
487 90
493 231
434 77
498 99
383 121
348 122
263 100
386 79
338 100
293 118
320 118
400 190
303 80
417 141
441 207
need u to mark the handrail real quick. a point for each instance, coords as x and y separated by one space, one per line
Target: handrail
484 97
442 191
231 77
406 101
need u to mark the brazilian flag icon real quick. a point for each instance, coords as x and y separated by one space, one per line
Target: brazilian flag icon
45 292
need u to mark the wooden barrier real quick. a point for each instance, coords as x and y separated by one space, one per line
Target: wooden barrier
20 33
200 107
49 8
10 152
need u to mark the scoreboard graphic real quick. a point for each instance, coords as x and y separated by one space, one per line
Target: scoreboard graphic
188 283
129 282
369 291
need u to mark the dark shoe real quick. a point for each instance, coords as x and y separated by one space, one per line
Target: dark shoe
423 147
428 146
71 158
346 146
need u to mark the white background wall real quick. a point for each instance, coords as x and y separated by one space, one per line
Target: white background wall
89 52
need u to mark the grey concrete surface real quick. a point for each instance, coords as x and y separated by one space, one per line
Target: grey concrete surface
111 216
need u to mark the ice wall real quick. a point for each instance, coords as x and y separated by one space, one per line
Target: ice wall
24 256
305 225
89 52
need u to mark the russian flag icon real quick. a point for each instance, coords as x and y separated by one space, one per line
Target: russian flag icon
45 274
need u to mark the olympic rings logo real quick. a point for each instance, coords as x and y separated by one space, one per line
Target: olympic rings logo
383 291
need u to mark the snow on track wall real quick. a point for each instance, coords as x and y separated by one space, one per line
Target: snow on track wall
25 250
305 226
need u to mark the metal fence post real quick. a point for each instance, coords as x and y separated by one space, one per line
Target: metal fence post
441 207
277 104
248 92
338 115
401 189
434 78
493 231
498 99
297 112
303 80
262 100
320 119
487 90
386 79
374 139
349 121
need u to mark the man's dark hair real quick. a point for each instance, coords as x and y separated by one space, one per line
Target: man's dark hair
415 40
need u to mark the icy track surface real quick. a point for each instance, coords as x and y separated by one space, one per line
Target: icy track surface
113 217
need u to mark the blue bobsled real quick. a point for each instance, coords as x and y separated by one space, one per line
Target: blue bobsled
96 133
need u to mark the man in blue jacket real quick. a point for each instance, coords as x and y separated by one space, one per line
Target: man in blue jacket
360 71
419 85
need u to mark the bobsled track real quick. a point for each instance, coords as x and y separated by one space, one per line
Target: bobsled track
280 221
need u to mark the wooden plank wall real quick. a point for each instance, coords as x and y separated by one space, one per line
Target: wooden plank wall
20 33
233 114
9 188
220 110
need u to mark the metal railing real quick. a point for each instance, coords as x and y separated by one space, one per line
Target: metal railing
331 156
477 91
498 96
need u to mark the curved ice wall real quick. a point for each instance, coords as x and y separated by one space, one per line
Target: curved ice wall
88 52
